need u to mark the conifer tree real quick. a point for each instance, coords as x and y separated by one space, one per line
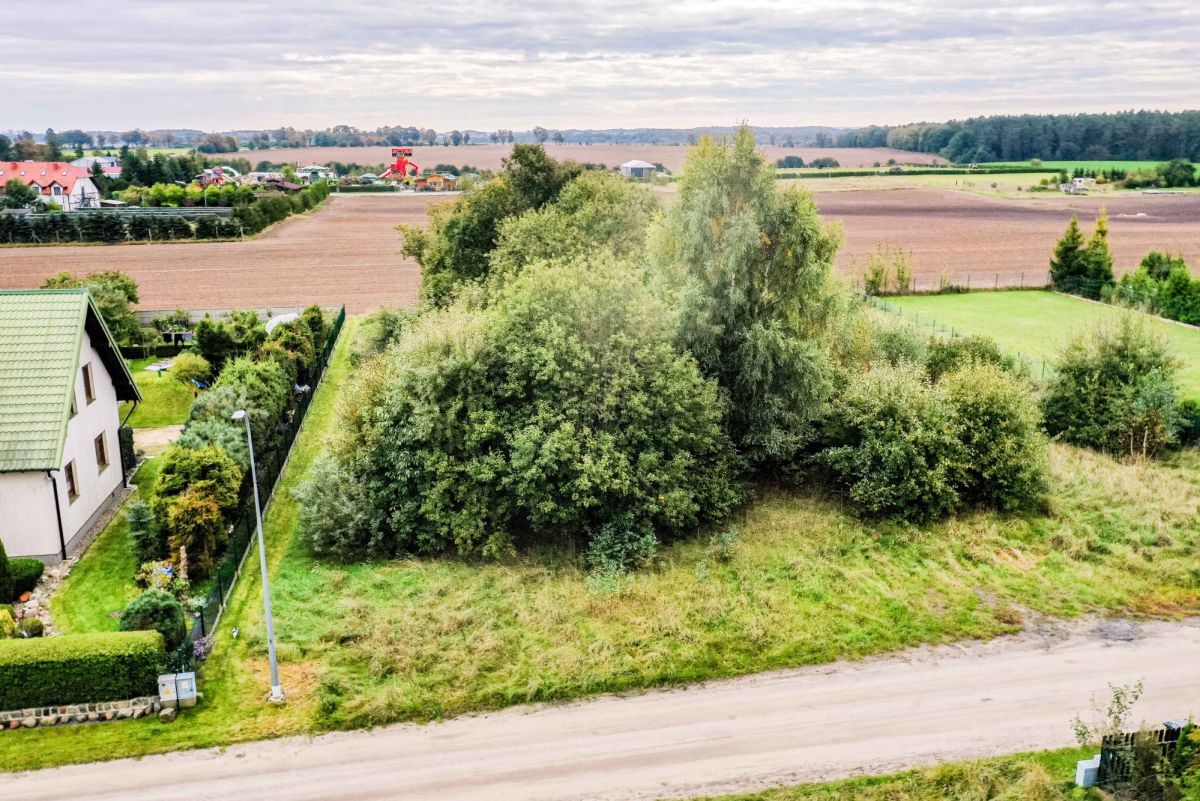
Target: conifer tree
1067 267
1098 260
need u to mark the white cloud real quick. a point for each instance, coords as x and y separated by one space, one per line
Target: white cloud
221 64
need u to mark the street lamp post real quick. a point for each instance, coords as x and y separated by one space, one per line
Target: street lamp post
276 688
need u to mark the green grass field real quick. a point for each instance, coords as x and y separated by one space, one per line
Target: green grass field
1037 324
1041 776
165 401
806 583
1128 166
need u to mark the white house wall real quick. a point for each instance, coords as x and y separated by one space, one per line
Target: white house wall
27 523
96 487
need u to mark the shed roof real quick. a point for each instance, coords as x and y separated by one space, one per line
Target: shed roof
41 333
638 164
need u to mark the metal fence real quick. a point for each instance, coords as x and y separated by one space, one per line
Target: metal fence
948 282
269 465
1037 369
1117 755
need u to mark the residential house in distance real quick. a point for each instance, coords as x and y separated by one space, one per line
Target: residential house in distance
110 165
61 380
58 182
315 172
638 169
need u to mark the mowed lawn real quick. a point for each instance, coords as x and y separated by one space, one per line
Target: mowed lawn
165 401
1037 324
805 583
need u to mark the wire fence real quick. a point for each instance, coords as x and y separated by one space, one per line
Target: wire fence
269 465
973 281
1036 368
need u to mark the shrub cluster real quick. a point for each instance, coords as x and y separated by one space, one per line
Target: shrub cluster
1115 389
904 447
81 668
1081 267
271 209
156 610
1161 285
200 482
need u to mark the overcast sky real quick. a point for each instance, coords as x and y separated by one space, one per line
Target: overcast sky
485 64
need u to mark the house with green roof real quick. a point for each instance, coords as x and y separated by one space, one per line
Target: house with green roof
62 379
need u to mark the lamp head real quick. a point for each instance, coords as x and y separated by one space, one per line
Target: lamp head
240 414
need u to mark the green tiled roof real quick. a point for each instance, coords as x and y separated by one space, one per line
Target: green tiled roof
41 332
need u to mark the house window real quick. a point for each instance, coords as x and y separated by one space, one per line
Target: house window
101 453
74 405
72 483
89 387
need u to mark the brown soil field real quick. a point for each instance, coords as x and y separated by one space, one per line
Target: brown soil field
349 252
346 252
990 241
488 157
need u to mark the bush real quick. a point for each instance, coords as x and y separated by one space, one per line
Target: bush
894 446
8 626
558 413
948 355
30 628
1114 390
297 339
81 668
144 532
25 575
128 452
194 522
156 610
223 432
208 471
191 367
999 426
6 579
261 388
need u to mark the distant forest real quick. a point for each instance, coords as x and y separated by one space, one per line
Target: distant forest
1126 135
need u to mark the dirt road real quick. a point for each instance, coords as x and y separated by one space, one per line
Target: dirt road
879 715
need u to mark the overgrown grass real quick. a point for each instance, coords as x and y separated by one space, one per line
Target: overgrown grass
805 583
165 401
1041 776
1037 324
102 582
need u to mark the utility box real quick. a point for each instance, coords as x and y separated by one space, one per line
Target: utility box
1087 771
177 689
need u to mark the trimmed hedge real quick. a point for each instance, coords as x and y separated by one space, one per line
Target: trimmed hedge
25 575
79 669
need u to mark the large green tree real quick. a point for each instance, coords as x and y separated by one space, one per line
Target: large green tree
114 294
1067 266
752 266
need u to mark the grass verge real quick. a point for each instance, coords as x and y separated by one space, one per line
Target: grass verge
1040 776
1037 324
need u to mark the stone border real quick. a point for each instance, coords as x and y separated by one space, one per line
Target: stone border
43 717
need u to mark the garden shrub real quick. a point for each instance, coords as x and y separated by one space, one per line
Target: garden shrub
261 388
999 425
318 327
25 575
222 431
191 367
1114 389
559 412
218 341
30 627
894 447
6 579
79 668
947 355
156 610
128 451
207 471
8 626
194 521
145 536
297 339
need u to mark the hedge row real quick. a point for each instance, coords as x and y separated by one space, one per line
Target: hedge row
921 171
111 228
79 669
273 208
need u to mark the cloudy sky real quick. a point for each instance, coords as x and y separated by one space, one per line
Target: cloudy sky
222 64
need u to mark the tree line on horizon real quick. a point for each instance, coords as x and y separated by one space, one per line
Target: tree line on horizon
1125 135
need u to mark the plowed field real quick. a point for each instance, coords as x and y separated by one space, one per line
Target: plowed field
488 157
349 252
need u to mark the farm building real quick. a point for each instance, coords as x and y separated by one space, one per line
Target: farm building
315 172
262 177
637 169
61 379
58 182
